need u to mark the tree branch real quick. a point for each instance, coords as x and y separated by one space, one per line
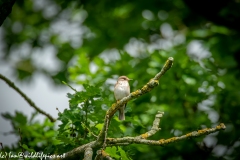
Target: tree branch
162 142
154 128
141 139
76 152
5 9
88 153
102 140
112 110
31 103
101 154
105 136
145 89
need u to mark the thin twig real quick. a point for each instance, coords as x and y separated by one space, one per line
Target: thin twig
154 128
69 86
29 101
58 111
6 155
119 144
88 129
20 142
86 117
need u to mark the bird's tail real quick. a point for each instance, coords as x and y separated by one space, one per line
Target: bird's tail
121 115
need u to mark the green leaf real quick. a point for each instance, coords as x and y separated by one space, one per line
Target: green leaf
69 95
123 154
49 149
112 151
26 148
99 126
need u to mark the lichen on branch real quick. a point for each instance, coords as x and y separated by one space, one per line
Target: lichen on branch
102 141
145 89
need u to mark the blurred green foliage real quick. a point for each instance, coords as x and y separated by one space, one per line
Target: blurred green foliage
95 42
33 135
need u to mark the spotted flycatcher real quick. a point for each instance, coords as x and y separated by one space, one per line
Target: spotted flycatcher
121 90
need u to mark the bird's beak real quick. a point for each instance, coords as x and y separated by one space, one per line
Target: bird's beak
130 79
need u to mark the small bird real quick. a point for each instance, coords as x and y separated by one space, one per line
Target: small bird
121 90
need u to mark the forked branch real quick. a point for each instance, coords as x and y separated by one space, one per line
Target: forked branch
162 142
145 89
